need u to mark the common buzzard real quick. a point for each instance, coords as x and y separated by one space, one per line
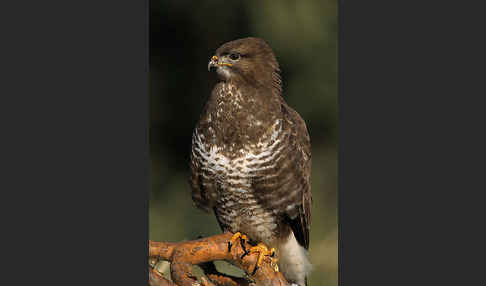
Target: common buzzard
251 157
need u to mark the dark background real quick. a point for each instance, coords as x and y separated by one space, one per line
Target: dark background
183 37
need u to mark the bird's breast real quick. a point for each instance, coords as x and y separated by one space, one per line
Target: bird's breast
234 171
238 163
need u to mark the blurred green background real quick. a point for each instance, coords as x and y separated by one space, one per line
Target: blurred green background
183 37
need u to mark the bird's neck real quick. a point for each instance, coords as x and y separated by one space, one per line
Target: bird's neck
269 80
239 114
235 102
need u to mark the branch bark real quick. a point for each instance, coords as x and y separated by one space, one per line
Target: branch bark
202 252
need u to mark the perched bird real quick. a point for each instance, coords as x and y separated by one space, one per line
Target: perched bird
251 158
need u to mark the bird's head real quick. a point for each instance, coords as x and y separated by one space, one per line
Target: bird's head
250 60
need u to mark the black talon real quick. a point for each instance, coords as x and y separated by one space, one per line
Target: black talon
242 242
244 254
229 246
254 270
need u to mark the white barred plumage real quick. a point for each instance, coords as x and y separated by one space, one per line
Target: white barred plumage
238 184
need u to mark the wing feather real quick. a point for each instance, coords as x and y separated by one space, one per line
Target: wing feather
285 188
300 140
198 191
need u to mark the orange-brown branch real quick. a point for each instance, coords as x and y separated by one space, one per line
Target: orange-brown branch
156 278
221 278
183 255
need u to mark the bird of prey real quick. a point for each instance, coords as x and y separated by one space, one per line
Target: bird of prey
251 158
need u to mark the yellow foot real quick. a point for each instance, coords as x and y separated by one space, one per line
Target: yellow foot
233 239
263 251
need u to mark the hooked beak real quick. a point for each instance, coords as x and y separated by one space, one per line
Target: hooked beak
214 62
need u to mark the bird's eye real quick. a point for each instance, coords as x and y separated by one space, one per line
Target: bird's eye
234 56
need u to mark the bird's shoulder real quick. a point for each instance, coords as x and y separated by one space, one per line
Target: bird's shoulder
298 130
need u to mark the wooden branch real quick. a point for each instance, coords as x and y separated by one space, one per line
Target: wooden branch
220 278
155 278
183 255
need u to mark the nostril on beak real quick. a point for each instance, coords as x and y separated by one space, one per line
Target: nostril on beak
214 58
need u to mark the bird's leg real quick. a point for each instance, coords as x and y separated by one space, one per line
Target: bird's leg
263 251
233 239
